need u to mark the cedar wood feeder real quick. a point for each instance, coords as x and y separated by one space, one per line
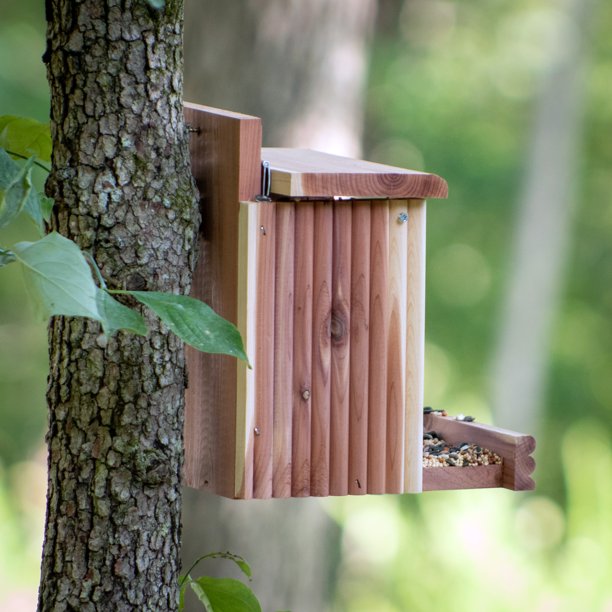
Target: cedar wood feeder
325 280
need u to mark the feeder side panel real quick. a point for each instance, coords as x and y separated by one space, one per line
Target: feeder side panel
415 348
263 365
302 349
321 348
283 349
247 326
225 153
340 348
360 343
377 418
396 360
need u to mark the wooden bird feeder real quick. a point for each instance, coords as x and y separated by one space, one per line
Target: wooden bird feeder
326 283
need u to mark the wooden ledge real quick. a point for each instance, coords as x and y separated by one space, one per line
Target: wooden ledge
312 174
514 448
451 478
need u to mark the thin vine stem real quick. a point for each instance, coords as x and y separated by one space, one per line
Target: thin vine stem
36 163
186 576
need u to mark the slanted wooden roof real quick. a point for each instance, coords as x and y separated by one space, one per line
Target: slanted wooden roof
312 174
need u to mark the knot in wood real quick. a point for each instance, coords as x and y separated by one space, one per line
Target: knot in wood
338 327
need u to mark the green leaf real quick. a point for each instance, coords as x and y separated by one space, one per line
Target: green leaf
33 208
245 568
183 587
26 137
157 4
46 206
201 595
116 316
194 322
58 277
6 257
15 187
243 565
226 595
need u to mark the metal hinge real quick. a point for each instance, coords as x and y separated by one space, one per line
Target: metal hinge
266 183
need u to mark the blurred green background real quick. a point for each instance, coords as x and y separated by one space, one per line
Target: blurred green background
511 102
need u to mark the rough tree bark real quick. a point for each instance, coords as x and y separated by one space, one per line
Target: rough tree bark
123 191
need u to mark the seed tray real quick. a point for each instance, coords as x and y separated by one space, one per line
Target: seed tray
514 449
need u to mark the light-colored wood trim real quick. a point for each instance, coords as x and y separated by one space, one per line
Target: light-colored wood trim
396 347
263 365
219 113
247 326
514 448
306 173
360 345
377 390
340 349
321 348
225 151
302 349
415 345
283 349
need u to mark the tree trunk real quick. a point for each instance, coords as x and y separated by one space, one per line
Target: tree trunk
123 191
301 67
544 228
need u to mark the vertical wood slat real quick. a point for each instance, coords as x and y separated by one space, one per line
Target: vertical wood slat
246 324
377 390
210 425
360 321
396 347
302 349
321 348
415 347
340 348
283 349
263 364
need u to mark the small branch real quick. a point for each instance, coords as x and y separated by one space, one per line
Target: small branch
36 163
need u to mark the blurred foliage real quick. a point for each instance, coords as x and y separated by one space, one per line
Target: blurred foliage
23 354
452 90
485 550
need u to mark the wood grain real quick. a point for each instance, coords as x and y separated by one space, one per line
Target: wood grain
321 348
340 349
415 345
247 326
377 373
226 164
450 478
514 448
283 349
302 349
396 346
263 365
306 173
360 345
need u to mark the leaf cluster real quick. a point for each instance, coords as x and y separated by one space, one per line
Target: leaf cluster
63 281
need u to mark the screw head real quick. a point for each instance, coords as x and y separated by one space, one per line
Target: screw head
402 217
